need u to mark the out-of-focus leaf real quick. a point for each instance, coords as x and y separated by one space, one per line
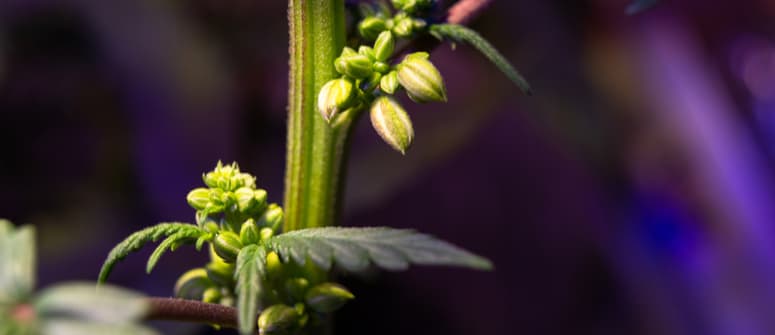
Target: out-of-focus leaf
17 262
354 248
463 34
638 6
75 327
85 301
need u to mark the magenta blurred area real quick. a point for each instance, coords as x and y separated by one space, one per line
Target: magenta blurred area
632 194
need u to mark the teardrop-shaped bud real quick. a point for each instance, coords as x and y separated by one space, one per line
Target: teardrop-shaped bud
335 96
392 123
381 67
222 274
192 284
277 319
227 245
274 267
355 66
198 198
245 199
370 27
266 233
403 27
272 217
370 83
367 51
384 46
422 81
327 297
212 295
249 233
296 288
389 82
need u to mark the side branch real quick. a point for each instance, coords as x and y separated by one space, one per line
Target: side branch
174 309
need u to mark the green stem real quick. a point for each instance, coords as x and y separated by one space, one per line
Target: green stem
315 149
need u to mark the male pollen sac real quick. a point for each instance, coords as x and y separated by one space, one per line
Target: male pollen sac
370 27
384 46
227 245
198 198
354 66
389 82
327 297
277 319
335 96
392 123
422 81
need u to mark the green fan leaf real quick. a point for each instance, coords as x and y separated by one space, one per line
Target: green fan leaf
638 6
249 273
354 248
170 243
462 34
138 239
86 302
17 262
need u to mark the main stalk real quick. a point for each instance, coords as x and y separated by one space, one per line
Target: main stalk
315 150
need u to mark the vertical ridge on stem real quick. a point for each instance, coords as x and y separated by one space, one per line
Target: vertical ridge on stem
315 152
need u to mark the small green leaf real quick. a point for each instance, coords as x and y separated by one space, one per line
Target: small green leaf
73 327
462 34
251 268
17 262
138 239
86 301
171 242
354 248
638 6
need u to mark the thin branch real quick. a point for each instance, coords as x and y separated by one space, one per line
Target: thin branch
174 309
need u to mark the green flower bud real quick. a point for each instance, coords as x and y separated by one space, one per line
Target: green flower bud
222 274
192 284
418 24
248 233
198 198
266 233
371 26
355 66
272 217
212 295
392 123
403 27
421 79
296 288
245 199
278 319
367 51
389 82
384 46
412 6
381 67
335 96
227 245
274 267
327 297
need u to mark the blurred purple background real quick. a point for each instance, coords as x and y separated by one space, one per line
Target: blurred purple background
633 194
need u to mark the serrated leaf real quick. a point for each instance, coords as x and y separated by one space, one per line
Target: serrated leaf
138 239
249 273
17 262
354 248
638 6
85 301
171 243
463 34
74 327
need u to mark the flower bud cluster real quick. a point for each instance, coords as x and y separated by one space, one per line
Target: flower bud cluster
235 214
369 79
